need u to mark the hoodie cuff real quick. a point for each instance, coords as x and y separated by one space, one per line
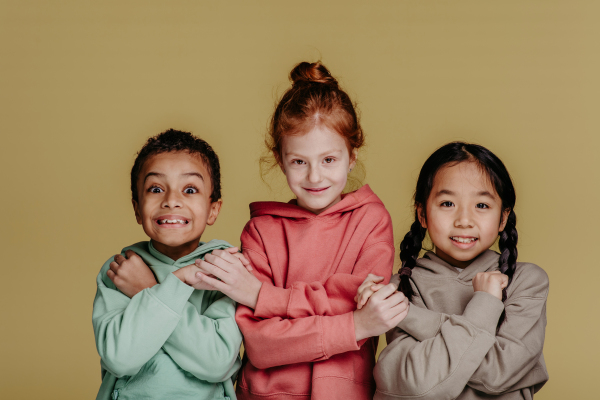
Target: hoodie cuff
484 311
338 334
421 323
172 292
272 301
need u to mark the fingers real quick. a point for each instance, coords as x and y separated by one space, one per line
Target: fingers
224 264
119 259
208 268
375 278
385 292
215 283
130 253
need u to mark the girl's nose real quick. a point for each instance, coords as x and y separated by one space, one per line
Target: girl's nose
172 199
463 219
314 175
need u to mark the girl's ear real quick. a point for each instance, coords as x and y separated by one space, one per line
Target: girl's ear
136 210
353 159
215 208
504 219
421 216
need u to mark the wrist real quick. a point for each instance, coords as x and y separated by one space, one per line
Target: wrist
359 332
254 295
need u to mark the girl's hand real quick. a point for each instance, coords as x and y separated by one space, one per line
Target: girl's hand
130 275
227 273
366 289
236 252
188 276
386 308
491 282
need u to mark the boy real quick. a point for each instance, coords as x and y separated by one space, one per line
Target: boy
158 337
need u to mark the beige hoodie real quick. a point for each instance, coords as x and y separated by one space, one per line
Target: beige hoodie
447 346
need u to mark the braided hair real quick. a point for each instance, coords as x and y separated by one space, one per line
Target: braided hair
452 154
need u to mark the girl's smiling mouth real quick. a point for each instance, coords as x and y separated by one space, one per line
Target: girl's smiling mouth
464 242
316 190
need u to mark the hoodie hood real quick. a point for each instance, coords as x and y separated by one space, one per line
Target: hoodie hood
433 266
350 201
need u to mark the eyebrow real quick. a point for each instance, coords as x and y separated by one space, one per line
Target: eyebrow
291 153
159 175
451 193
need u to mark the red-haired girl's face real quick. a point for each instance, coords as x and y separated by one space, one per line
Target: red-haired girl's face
316 165
464 213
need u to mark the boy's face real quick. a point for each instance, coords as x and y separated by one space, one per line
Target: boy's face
174 203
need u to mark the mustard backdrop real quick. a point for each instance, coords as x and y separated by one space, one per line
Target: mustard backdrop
83 84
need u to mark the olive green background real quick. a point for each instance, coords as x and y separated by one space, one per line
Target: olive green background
83 84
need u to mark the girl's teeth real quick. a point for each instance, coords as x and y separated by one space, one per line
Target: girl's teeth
464 240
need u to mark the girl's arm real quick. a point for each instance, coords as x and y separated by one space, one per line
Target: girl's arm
466 350
315 321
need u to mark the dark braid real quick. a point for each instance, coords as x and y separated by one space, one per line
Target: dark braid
508 255
409 252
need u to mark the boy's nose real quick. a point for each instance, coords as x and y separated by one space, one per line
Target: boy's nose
171 200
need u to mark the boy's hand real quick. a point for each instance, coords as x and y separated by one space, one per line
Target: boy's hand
366 289
491 282
130 275
227 273
385 309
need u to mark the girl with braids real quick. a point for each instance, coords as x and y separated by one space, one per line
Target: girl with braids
304 338
476 322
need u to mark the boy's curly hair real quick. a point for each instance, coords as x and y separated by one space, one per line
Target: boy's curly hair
173 140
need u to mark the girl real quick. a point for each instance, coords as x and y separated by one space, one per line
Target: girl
475 327
303 336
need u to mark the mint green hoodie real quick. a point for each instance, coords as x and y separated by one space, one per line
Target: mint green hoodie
168 341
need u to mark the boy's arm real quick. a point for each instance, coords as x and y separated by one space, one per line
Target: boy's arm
129 332
207 345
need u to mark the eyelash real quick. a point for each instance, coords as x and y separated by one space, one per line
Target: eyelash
450 204
482 204
153 187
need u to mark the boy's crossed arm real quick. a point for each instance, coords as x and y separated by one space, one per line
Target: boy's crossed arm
131 331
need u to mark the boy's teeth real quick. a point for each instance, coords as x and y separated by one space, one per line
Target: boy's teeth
463 240
173 221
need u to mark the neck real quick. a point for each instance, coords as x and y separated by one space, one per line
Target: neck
176 252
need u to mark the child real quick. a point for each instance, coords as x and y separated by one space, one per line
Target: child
303 336
475 326
157 337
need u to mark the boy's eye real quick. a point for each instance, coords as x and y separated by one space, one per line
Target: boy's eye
190 190
482 205
155 189
447 204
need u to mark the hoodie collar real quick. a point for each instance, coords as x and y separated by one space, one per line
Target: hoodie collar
349 202
202 248
486 261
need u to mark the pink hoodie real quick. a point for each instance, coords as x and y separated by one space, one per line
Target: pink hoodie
300 341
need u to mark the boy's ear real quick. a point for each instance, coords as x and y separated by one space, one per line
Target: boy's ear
504 220
136 209
421 216
215 208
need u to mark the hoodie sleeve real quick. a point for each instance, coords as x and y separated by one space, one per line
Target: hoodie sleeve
207 345
318 324
336 295
466 350
128 331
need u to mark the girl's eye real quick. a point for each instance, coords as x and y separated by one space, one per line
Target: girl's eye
298 162
328 160
447 204
190 190
155 189
482 205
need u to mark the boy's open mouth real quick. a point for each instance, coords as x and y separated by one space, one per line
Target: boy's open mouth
172 221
